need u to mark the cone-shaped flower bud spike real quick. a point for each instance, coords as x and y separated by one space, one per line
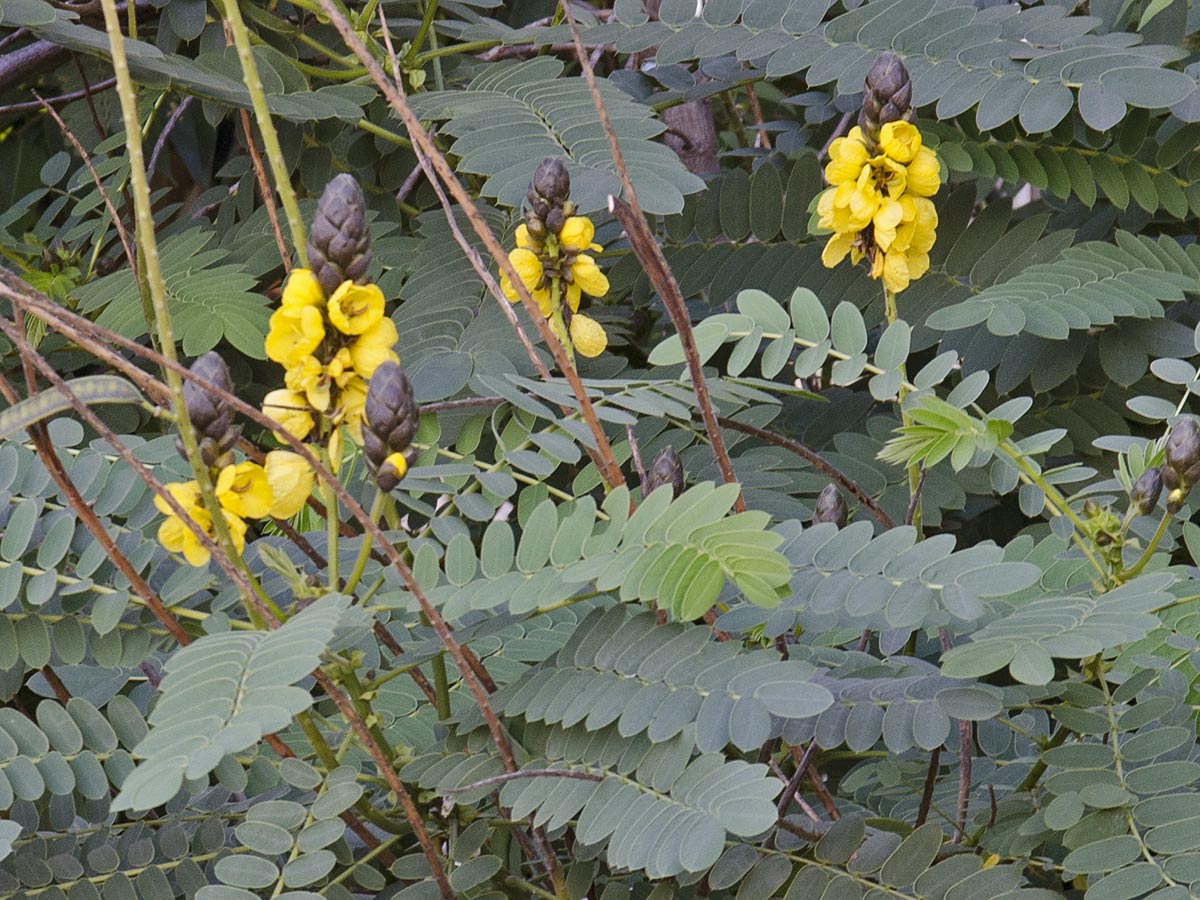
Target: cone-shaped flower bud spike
551 181
667 468
391 418
887 97
211 416
1146 491
339 244
830 507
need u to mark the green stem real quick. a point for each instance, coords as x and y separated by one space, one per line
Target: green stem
329 497
452 49
262 114
152 269
892 313
364 552
426 23
1150 548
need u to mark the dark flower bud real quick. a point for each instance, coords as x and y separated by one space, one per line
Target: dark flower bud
339 243
1183 451
667 468
831 507
555 220
391 417
1146 491
552 181
535 226
887 96
211 416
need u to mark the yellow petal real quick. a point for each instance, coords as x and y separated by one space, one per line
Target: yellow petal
900 140
185 493
302 289
847 156
573 296
836 249
243 490
886 219
528 266
924 174
398 463
577 233
294 334
587 275
291 481
588 336
895 272
374 347
523 239
290 411
354 308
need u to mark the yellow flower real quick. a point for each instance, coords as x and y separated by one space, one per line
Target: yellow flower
847 156
836 249
295 332
309 378
301 290
290 411
586 277
243 490
524 241
353 400
397 462
177 537
588 336
900 141
893 268
355 308
529 269
887 219
375 346
577 233
924 174
291 481
341 367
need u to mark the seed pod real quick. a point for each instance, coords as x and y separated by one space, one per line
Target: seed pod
551 181
667 468
211 416
339 243
1146 491
391 418
831 507
887 95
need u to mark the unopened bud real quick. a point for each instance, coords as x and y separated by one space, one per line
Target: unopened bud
831 507
211 415
667 468
391 418
552 181
555 220
1183 452
1091 509
887 96
1146 490
339 243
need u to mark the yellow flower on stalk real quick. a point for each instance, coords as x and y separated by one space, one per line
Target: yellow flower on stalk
302 289
309 377
355 308
177 537
243 490
584 275
291 481
295 332
924 174
530 271
577 233
374 347
587 336
847 156
290 411
900 141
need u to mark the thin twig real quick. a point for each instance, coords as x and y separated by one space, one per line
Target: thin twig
87 95
524 773
793 784
61 694
930 782
763 138
965 756
818 785
159 145
629 214
800 831
915 500
818 462
264 190
609 471
637 459
60 100
130 256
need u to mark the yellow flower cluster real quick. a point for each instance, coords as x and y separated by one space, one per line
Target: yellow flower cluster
328 349
244 490
560 268
878 206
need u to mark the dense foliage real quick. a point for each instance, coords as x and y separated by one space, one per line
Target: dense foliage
405 494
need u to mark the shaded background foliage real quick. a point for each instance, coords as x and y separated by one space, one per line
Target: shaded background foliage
963 712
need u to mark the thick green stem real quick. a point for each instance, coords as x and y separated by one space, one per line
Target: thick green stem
262 114
152 271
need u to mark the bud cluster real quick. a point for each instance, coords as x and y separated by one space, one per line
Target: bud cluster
887 97
549 199
211 415
391 418
339 243
1181 469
